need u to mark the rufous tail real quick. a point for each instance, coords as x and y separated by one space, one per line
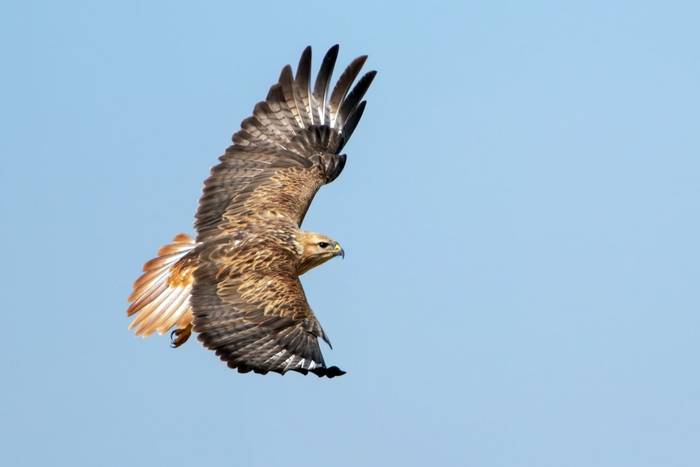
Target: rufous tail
161 297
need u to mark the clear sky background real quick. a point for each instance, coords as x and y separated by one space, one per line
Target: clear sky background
519 209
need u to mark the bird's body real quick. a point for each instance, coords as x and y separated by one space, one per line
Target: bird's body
237 285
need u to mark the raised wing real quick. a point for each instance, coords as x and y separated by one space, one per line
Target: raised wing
288 148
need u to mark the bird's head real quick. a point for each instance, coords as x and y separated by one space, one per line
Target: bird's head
317 249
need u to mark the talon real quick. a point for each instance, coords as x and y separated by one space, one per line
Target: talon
180 336
173 338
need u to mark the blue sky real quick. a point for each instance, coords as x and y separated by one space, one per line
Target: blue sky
519 211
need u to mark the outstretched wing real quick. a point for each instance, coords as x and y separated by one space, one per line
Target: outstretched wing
248 303
251 310
287 149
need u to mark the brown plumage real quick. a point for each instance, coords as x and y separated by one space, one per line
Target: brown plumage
238 285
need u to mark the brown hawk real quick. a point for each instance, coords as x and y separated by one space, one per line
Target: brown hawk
237 285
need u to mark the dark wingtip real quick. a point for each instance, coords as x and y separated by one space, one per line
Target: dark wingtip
330 372
334 371
351 124
331 56
304 66
343 84
286 74
358 92
323 79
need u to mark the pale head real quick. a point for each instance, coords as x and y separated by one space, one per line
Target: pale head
317 249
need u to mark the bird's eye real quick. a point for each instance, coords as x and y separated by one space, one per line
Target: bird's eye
323 244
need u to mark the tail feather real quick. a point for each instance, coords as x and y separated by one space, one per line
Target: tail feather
161 296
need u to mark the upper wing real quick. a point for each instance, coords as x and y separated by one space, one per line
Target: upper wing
287 149
249 307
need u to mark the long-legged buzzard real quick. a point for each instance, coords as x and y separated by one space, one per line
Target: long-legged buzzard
237 285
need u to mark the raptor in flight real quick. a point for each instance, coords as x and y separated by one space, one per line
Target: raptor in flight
237 285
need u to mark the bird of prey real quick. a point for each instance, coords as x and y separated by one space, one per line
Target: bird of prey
237 284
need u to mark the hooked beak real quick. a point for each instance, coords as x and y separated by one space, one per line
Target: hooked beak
339 251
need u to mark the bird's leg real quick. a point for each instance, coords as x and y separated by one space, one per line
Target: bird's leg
180 336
